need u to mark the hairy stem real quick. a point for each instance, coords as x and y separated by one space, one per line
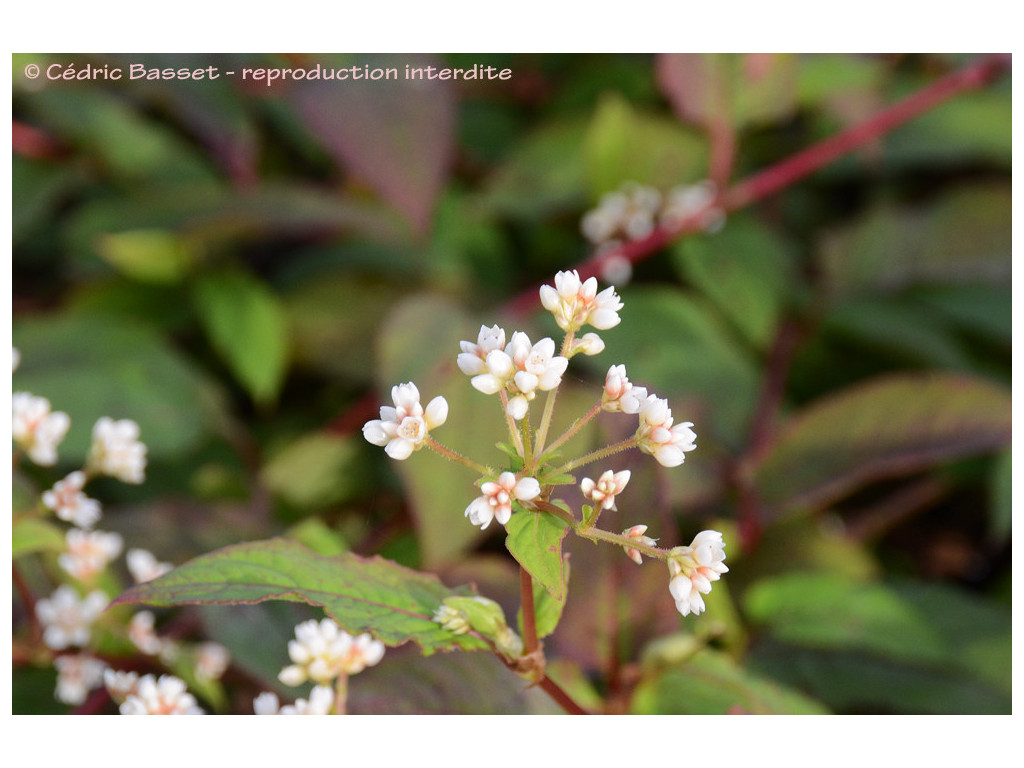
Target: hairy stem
455 456
575 428
597 455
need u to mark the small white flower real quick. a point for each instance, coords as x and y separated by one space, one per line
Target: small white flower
496 501
575 303
36 429
266 703
687 201
70 504
693 568
637 532
608 486
404 428
617 270
143 565
536 368
589 344
116 450
166 696
472 359
620 396
89 552
68 618
142 632
322 651
321 699
629 211
76 676
657 435
212 660
452 619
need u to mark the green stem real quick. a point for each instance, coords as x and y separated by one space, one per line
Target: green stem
577 425
597 534
549 403
517 441
455 456
597 455
524 429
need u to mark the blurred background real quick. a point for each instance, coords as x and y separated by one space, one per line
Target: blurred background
246 269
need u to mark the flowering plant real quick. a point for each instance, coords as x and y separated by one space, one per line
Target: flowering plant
523 493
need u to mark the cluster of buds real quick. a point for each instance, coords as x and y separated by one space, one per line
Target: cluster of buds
69 616
633 211
515 368
322 651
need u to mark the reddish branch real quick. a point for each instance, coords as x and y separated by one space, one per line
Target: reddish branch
783 174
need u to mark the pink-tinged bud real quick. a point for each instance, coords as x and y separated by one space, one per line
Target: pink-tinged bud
637 532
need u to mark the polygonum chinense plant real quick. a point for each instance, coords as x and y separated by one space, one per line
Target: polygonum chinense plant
395 604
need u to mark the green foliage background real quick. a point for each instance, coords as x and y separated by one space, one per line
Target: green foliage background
246 270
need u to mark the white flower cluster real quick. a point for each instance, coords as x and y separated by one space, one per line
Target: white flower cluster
116 450
148 695
495 503
404 428
67 619
89 552
322 651
633 211
36 428
693 568
320 701
70 503
522 367
77 674
657 435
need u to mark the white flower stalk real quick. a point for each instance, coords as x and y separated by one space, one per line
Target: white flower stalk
36 429
321 699
452 619
607 487
620 396
166 696
77 675
693 568
212 661
143 565
116 450
67 618
322 651
536 368
657 435
472 359
89 552
575 303
142 633
496 501
404 428
70 504
637 532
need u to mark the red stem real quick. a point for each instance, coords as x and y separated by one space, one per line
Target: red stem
783 174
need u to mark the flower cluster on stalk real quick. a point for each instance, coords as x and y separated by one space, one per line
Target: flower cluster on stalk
517 369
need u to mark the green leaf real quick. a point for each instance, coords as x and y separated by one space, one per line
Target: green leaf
1001 495
148 255
316 470
92 366
962 236
535 541
317 536
711 683
31 534
747 270
887 427
622 144
246 325
674 343
547 610
374 595
901 646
